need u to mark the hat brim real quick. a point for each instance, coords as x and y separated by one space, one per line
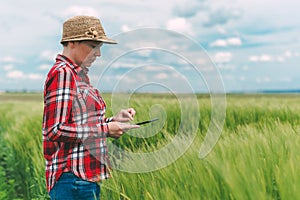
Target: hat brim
104 40
108 41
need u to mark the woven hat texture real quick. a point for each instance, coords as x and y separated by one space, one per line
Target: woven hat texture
80 28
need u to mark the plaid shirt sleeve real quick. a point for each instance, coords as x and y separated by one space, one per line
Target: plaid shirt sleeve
61 90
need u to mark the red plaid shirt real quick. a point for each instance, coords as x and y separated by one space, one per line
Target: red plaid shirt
74 125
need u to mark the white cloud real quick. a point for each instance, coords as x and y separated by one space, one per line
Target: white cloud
15 74
144 52
125 28
265 79
254 58
221 30
161 76
222 16
10 59
44 67
271 58
286 79
266 58
235 41
280 59
120 65
288 54
228 77
79 10
219 43
261 58
127 80
222 57
180 25
152 68
35 76
48 55
291 54
242 78
8 67
226 67
188 8
274 39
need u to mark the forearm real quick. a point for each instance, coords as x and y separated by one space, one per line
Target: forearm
62 132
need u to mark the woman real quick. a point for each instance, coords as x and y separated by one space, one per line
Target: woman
74 124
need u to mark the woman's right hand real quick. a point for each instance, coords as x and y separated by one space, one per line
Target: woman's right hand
116 129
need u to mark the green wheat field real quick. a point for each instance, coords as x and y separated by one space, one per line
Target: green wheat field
256 157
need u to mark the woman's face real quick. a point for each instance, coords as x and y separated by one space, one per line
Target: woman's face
87 52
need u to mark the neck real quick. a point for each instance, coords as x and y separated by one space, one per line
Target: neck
68 53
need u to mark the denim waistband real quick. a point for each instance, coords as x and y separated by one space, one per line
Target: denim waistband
68 175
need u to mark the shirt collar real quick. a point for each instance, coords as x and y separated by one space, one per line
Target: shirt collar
82 72
76 67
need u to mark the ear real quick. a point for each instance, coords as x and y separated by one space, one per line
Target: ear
73 44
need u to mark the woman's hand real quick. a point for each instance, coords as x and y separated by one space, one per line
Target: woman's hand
125 115
116 129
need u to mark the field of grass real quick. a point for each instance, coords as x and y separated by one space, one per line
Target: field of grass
256 156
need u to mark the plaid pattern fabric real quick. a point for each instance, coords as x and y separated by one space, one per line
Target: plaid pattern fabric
74 125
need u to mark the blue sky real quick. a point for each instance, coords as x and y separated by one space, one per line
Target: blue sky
254 45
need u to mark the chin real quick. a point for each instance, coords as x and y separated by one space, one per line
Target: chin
87 65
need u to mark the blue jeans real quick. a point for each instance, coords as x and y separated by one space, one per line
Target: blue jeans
70 187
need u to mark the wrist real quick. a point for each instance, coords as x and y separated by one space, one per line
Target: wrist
111 119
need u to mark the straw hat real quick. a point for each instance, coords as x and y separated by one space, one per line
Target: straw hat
80 28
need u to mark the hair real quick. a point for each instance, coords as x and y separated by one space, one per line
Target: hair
65 44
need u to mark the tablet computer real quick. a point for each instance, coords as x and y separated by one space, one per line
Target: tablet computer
146 122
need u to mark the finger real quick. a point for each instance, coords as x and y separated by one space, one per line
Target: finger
128 115
129 126
131 111
134 126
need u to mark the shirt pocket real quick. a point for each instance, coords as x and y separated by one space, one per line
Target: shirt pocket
92 102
